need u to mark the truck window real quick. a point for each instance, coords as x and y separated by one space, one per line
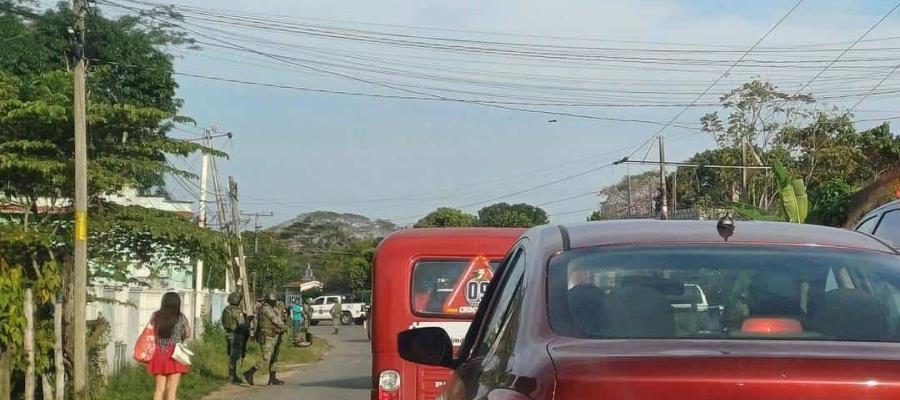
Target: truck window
319 301
330 300
450 287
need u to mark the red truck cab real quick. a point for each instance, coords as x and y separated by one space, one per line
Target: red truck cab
427 277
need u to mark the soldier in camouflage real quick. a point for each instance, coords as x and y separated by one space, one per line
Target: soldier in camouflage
269 326
237 327
307 318
336 311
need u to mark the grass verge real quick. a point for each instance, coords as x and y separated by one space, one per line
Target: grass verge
209 370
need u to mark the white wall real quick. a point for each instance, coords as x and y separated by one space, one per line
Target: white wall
128 309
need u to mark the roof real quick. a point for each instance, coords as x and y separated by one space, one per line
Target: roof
882 208
421 233
655 231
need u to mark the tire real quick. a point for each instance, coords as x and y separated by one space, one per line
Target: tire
313 322
346 318
359 321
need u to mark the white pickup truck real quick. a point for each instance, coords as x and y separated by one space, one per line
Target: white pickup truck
353 312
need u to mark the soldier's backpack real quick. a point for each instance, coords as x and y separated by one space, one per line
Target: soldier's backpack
229 319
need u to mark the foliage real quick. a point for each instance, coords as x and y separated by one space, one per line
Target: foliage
644 195
792 192
751 212
595 216
512 215
209 370
446 217
831 202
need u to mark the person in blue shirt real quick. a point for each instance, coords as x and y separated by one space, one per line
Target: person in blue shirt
297 322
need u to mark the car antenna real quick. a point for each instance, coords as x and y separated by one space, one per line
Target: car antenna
725 226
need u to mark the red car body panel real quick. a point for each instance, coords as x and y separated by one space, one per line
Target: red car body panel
392 308
725 369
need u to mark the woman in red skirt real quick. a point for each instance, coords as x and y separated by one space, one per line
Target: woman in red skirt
171 328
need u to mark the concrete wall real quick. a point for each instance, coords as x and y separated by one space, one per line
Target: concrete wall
128 310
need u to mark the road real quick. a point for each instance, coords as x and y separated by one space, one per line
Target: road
342 374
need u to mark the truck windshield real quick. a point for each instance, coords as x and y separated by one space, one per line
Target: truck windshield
725 292
450 287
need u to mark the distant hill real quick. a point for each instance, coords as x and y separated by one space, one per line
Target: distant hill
327 230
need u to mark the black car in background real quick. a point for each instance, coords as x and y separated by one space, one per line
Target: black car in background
883 223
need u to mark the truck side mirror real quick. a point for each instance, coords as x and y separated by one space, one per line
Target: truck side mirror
427 346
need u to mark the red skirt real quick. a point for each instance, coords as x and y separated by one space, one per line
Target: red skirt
162 363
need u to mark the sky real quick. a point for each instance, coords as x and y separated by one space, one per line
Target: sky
297 151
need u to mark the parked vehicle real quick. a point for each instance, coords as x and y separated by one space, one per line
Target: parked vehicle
883 222
427 278
354 311
585 311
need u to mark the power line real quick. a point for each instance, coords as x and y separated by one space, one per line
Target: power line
854 43
723 75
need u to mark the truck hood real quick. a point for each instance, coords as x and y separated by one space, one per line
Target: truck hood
732 369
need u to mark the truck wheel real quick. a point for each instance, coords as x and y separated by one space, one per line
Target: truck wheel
359 321
346 318
313 322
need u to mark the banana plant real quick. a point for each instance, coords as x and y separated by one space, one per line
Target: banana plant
792 192
794 201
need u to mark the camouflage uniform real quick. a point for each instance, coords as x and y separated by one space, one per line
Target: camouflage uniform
307 319
336 311
269 327
237 328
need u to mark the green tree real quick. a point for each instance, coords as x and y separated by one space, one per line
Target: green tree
446 217
131 111
512 215
595 216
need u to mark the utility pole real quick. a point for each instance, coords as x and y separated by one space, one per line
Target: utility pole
79 292
628 178
744 194
664 206
198 272
236 223
675 190
223 225
256 227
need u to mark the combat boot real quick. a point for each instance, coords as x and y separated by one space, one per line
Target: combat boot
273 380
232 374
248 375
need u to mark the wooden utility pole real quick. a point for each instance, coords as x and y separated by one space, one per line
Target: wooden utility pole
222 217
242 268
744 194
675 190
256 227
628 178
79 314
664 202
29 345
60 380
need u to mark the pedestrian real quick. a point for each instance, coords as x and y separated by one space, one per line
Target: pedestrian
237 327
336 312
297 322
307 319
269 326
171 328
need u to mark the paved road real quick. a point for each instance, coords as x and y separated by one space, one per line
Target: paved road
343 373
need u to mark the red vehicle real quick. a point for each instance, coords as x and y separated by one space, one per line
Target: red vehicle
433 277
596 310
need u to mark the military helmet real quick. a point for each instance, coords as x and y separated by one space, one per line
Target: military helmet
234 298
271 297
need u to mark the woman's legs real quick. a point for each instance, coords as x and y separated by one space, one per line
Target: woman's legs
172 386
160 387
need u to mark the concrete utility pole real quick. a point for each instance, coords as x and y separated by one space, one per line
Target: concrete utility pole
79 300
675 190
242 268
664 202
628 178
201 218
